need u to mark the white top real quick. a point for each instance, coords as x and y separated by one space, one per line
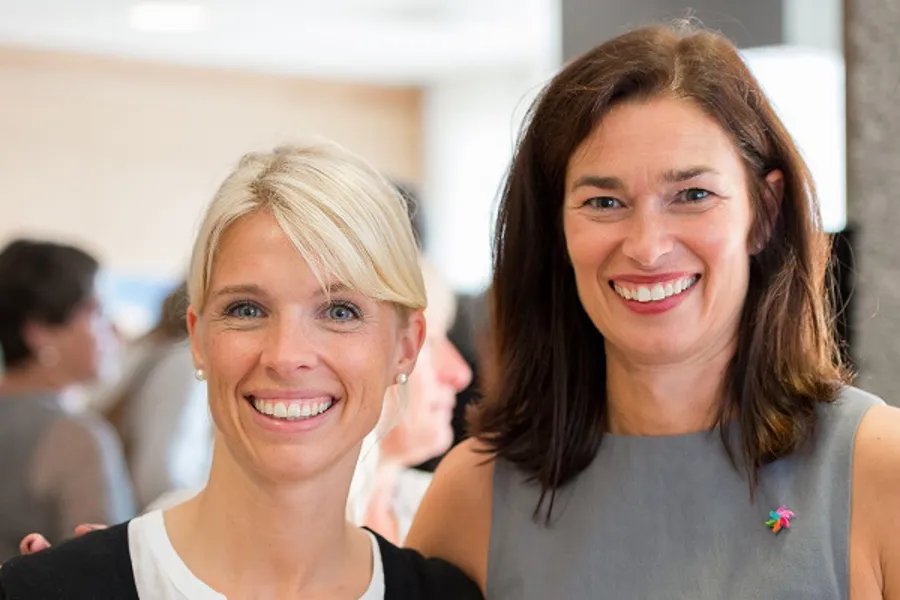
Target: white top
160 574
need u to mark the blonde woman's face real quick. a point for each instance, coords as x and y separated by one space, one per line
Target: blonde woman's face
296 377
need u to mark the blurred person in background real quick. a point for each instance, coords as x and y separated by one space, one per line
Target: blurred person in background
419 427
160 409
57 469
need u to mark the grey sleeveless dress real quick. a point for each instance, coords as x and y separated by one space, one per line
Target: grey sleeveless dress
670 517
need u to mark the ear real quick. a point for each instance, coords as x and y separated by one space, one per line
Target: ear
775 186
36 336
412 337
772 196
195 332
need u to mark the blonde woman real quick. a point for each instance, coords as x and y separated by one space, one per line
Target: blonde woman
306 305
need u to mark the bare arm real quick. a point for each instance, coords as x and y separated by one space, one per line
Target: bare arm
875 518
454 520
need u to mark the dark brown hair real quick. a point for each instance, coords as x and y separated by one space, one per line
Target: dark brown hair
546 412
40 282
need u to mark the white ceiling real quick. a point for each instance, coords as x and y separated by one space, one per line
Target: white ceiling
385 41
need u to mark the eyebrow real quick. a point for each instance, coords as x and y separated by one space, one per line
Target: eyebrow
603 183
255 290
679 175
333 288
614 183
230 290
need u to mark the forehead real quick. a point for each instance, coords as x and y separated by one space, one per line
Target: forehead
652 137
255 248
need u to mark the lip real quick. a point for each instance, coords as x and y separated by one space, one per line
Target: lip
284 427
299 394
656 307
651 279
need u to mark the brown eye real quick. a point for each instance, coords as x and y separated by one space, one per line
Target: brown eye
695 195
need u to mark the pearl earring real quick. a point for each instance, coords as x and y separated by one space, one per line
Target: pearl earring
402 378
200 375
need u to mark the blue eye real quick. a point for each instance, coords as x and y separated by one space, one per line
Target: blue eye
603 203
244 310
342 311
695 195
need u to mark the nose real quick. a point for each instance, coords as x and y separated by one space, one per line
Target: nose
452 369
289 347
648 238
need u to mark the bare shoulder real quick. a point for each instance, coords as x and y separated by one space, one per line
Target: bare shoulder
875 522
454 520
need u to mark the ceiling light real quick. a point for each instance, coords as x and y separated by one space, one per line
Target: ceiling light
168 16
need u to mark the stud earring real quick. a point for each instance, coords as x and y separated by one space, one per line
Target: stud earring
402 378
200 375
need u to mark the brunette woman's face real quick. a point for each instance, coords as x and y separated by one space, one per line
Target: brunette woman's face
657 220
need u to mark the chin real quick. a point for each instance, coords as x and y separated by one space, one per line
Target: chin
280 467
442 442
662 349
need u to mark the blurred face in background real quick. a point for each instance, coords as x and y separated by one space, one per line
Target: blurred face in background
79 350
422 426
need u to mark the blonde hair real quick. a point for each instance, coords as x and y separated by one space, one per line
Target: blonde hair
347 221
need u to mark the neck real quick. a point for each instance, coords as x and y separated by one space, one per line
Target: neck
671 399
248 537
30 379
380 510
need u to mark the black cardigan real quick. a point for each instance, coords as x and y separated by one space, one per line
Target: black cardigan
97 566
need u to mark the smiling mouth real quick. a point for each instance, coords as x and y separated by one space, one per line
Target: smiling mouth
291 410
655 292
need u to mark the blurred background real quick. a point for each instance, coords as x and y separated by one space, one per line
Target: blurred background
118 119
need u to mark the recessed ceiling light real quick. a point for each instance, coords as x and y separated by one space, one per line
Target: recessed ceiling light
169 16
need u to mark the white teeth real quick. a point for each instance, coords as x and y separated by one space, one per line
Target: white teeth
291 410
658 292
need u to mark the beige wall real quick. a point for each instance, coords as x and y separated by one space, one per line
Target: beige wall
124 155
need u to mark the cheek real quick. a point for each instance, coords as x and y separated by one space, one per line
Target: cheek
589 244
365 374
723 246
83 342
230 355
